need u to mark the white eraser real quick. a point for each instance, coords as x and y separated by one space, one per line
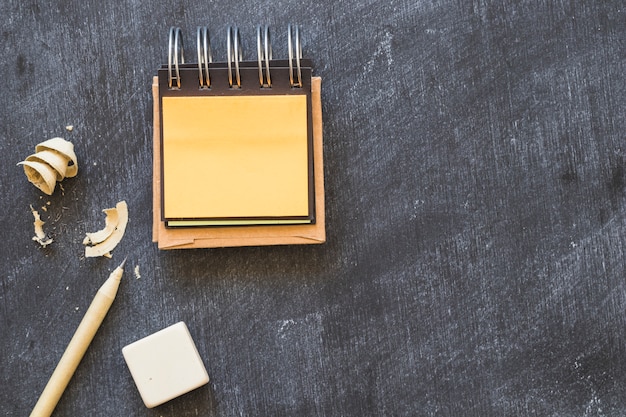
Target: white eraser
165 365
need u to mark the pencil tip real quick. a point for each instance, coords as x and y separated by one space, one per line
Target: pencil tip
123 262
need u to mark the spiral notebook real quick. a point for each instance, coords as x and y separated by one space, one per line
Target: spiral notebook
238 146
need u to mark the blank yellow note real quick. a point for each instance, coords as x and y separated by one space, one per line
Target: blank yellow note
229 156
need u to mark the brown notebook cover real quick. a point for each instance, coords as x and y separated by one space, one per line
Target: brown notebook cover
229 236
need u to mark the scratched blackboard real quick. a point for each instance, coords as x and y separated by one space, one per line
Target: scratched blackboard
475 182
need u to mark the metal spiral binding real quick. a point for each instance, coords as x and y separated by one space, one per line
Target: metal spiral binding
264 56
175 46
297 54
235 66
235 54
205 56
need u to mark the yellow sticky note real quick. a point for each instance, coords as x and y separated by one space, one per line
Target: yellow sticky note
235 156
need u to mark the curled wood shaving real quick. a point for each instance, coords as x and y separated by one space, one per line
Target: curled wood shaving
105 240
52 161
40 236
110 223
40 175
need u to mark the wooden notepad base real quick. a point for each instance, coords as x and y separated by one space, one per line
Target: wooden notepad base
214 237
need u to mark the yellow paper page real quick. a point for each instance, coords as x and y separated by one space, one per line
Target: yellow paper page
229 156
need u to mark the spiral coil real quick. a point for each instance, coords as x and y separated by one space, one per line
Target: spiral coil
174 51
234 62
235 55
204 57
264 56
297 56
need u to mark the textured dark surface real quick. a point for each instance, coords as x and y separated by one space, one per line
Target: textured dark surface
476 213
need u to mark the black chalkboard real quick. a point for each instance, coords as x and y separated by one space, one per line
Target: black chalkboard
475 187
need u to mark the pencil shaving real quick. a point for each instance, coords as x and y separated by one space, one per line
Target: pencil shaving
64 147
110 223
40 236
52 161
105 240
40 175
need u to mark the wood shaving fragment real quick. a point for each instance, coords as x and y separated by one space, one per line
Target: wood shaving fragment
41 175
52 161
40 236
64 147
110 223
69 128
137 275
105 240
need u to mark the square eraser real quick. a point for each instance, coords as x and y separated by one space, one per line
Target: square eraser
165 365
